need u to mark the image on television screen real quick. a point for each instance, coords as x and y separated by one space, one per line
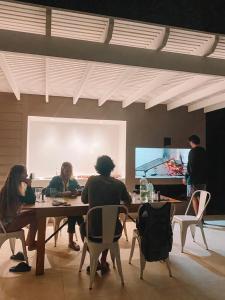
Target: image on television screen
161 162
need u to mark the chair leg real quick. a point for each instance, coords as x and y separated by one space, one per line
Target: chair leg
168 266
173 225
193 229
132 248
142 260
83 256
203 235
112 254
12 243
118 263
125 231
24 248
142 264
93 268
183 233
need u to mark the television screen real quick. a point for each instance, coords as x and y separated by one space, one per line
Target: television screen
161 162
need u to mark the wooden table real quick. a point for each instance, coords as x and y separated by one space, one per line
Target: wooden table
76 208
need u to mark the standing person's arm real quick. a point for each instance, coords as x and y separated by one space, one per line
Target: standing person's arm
188 175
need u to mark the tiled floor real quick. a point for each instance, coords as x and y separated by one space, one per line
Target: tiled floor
198 274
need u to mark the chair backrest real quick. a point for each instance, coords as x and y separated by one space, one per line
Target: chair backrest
204 198
109 220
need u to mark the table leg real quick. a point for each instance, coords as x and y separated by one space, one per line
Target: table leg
41 246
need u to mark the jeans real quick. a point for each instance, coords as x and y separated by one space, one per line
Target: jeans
72 222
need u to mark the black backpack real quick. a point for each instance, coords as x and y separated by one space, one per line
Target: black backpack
154 226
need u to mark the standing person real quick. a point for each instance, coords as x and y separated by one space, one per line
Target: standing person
15 192
66 186
196 176
99 191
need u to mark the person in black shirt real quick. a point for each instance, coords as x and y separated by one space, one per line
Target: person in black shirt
196 176
103 190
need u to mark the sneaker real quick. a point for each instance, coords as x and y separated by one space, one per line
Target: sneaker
73 246
99 267
105 268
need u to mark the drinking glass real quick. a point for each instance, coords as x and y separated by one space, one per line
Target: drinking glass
38 193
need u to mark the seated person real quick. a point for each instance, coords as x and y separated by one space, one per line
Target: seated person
66 186
99 191
15 191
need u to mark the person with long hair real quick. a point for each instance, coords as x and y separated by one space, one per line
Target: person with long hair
66 186
14 193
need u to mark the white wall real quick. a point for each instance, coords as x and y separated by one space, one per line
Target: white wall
51 141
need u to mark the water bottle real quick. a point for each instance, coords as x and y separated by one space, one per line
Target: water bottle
144 189
150 192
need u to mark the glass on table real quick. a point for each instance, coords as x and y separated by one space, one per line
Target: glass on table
38 193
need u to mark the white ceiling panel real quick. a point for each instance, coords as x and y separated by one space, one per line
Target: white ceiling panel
28 71
189 42
219 51
79 26
77 79
24 18
140 35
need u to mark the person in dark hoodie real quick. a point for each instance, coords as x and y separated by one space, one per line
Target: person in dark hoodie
196 176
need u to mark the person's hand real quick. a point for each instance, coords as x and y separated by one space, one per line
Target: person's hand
184 181
28 181
67 194
74 193
22 188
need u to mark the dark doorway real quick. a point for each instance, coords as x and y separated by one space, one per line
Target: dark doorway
215 143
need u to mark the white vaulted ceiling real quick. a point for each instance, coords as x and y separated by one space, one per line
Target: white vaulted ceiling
77 79
24 18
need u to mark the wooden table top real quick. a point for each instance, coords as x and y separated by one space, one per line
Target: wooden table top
76 207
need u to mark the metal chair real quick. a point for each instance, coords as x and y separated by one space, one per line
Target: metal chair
136 236
109 219
188 220
12 237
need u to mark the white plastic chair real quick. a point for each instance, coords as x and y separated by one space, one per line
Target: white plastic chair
188 220
136 236
109 219
12 236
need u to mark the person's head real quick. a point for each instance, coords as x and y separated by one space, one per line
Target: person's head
194 141
104 165
13 188
66 170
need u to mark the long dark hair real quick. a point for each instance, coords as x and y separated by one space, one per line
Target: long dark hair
9 196
65 164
